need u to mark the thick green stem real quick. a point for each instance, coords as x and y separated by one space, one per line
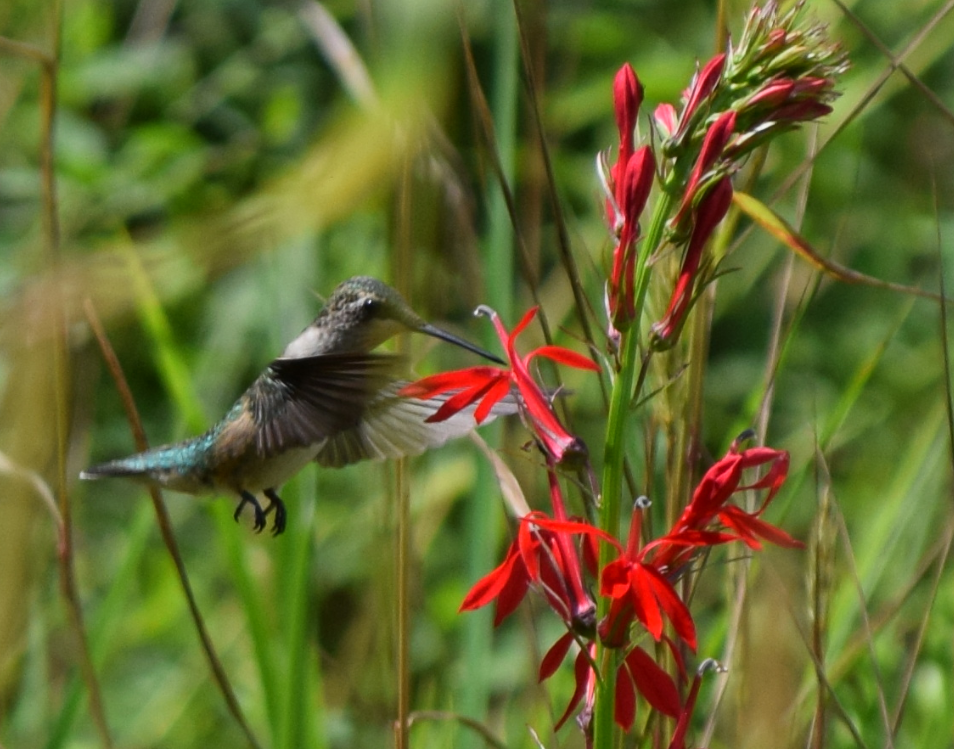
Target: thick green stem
613 459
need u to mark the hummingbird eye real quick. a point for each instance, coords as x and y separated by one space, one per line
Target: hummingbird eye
370 307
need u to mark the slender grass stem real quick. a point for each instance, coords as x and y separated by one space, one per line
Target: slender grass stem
481 521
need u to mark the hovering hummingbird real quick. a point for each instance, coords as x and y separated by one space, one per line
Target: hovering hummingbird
327 398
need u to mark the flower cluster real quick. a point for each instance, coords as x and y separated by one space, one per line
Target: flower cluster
639 581
780 74
556 554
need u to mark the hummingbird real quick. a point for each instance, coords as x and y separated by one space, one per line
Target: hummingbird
327 398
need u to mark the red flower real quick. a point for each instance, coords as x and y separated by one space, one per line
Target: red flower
632 193
637 672
711 211
714 143
627 188
709 505
703 84
627 98
638 591
682 725
538 557
489 385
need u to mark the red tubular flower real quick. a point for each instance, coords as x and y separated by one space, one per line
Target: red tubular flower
638 592
711 211
627 98
637 672
627 189
682 725
637 181
717 137
488 385
702 86
536 557
709 506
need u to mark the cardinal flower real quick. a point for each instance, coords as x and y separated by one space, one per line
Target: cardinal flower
543 556
486 386
710 510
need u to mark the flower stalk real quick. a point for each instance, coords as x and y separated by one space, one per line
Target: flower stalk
613 596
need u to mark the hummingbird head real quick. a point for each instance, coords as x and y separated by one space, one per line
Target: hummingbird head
363 313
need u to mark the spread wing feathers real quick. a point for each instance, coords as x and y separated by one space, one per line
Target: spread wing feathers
303 401
393 427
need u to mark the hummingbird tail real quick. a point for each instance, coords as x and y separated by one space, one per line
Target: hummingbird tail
113 468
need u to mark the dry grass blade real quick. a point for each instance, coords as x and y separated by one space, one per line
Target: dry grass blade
581 305
787 235
949 403
339 52
36 482
896 61
441 715
914 648
868 630
479 102
509 486
49 67
873 89
165 525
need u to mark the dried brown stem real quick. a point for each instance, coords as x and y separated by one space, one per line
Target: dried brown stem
165 525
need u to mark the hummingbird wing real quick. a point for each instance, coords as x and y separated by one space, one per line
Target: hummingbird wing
393 427
304 401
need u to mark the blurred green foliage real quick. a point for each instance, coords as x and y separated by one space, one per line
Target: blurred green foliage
210 157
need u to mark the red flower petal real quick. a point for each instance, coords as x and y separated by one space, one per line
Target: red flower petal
513 592
581 671
672 604
749 526
460 401
427 387
570 526
644 597
524 322
565 356
555 655
496 393
652 682
490 585
624 706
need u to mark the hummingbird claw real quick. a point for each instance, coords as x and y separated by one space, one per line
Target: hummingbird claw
249 498
275 503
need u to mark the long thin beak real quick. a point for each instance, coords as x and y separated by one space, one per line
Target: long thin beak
432 330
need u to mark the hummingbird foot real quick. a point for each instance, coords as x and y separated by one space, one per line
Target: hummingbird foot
275 503
249 498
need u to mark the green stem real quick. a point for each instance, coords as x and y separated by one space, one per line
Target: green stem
613 460
484 527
